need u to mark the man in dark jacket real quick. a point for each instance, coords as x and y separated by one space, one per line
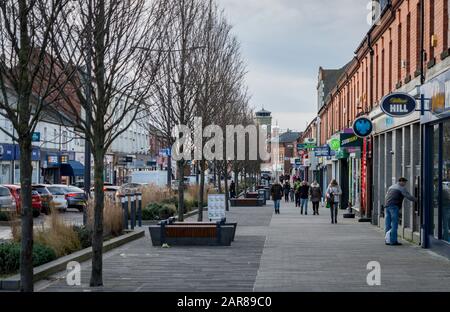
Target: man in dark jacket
393 203
232 190
277 194
286 189
304 195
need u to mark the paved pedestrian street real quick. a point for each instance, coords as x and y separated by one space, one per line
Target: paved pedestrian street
286 252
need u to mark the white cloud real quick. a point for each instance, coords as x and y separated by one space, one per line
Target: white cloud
285 41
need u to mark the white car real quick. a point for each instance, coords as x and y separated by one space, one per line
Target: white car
59 196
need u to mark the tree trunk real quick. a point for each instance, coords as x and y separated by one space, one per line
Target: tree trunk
180 165
26 254
227 193
97 235
201 202
219 175
236 181
215 174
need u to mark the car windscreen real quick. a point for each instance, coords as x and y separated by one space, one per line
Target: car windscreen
41 190
57 190
4 191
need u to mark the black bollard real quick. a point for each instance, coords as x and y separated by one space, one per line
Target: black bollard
133 211
139 209
124 201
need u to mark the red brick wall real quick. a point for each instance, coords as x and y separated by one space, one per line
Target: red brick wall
395 40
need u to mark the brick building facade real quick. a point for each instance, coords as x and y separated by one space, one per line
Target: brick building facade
389 59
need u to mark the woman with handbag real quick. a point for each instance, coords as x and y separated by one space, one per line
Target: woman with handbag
333 196
316 195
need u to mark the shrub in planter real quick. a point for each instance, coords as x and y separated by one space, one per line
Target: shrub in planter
158 211
4 216
36 213
84 235
10 256
58 235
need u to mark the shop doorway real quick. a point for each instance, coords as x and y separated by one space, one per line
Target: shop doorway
344 183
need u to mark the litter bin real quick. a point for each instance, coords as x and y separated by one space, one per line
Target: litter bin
262 196
267 189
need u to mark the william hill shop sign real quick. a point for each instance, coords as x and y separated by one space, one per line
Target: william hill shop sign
398 104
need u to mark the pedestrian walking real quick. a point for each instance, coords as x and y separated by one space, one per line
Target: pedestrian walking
393 203
333 198
315 193
292 194
297 185
304 197
232 189
277 194
286 190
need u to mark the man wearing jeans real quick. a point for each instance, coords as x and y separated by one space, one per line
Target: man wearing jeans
394 201
277 194
304 197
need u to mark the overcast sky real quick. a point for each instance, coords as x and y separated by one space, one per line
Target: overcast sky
285 41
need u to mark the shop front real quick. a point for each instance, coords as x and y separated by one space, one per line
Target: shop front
436 153
10 164
396 152
346 167
59 167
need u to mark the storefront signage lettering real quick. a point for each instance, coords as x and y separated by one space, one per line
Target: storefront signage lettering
323 151
350 140
398 104
36 137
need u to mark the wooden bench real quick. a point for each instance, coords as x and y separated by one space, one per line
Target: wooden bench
246 202
180 233
251 195
234 224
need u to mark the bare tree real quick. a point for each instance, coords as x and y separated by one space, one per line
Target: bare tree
121 42
177 91
26 64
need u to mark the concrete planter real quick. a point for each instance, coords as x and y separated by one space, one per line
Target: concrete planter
60 264
224 237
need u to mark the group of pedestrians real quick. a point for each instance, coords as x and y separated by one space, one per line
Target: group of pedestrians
301 192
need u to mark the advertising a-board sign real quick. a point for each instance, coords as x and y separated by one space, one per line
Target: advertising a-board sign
216 207
398 104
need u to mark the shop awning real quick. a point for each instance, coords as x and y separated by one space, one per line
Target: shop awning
72 169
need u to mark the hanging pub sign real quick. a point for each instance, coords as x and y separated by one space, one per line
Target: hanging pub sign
398 104
362 127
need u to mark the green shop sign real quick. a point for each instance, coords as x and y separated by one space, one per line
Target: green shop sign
335 144
341 154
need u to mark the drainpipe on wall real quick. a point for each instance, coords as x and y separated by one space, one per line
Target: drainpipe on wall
424 237
369 147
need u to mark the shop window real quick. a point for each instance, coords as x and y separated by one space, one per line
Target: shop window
435 210
445 204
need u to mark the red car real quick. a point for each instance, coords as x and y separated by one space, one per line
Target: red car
36 202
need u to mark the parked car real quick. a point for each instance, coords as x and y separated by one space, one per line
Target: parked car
59 196
130 188
46 197
76 198
7 201
111 191
36 202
